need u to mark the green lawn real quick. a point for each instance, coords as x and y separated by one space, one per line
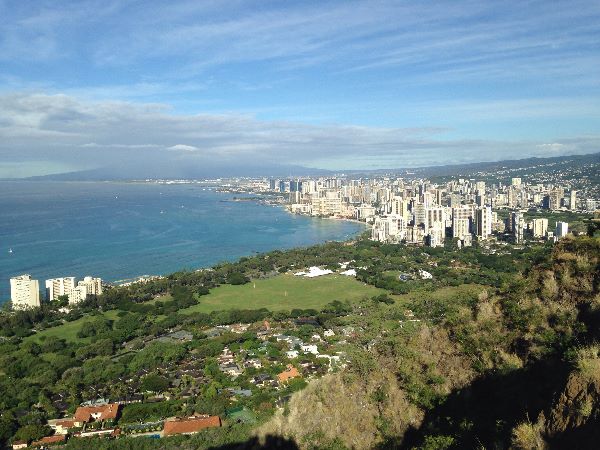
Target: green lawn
284 292
443 293
68 330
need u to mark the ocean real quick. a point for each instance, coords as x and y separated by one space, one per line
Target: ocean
119 231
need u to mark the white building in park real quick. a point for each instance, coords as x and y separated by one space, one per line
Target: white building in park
24 292
55 287
540 227
86 287
93 285
562 229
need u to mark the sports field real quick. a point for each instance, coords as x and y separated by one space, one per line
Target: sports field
284 292
68 330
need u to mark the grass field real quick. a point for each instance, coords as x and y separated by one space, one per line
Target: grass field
284 292
68 330
443 293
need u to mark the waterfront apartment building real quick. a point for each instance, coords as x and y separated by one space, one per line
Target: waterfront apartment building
86 287
24 292
56 287
93 285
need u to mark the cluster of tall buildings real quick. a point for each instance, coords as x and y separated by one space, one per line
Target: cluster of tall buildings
25 291
423 213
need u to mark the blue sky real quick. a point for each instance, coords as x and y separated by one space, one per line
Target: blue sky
317 83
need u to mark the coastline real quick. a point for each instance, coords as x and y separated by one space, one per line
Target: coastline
124 235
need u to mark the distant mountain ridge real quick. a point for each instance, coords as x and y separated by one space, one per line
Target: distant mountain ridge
275 170
471 168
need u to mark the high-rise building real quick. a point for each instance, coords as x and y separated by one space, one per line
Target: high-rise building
56 287
93 285
483 222
24 292
517 226
399 207
480 199
573 200
78 294
515 181
461 222
552 199
540 227
562 229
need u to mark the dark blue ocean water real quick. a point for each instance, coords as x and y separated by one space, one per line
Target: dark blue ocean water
117 230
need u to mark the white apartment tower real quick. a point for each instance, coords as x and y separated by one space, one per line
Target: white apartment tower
562 229
483 221
56 287
461 222
540 227
24 292
517 226
93 285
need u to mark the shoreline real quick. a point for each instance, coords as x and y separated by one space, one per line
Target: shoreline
123 278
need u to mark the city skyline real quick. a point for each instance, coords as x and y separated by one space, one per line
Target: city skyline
333 85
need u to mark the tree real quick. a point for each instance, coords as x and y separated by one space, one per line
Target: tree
237 278
32 432
154 383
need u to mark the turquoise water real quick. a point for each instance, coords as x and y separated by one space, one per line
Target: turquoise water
123 230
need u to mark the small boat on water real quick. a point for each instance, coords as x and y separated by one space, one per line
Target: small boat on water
10 250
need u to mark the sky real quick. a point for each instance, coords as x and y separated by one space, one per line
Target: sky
324 84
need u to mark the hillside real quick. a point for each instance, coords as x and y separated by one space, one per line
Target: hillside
516 367
498 349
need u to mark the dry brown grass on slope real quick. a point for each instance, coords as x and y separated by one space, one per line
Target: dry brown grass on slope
330 408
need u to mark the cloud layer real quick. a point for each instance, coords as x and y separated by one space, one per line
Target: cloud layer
335 84
60 128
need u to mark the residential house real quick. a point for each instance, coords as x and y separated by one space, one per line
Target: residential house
190 425
310 348
62 426
291 354
289 373
86 414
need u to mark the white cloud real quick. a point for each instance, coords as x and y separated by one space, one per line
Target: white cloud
62 128
183 148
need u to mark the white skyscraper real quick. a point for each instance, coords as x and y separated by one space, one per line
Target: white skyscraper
461 222
24 292
483 221
540 227
56 287
87 286
93 285
562 229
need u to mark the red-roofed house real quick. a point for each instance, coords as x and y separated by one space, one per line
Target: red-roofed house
85 414
190 425
62 426
289 373
50 440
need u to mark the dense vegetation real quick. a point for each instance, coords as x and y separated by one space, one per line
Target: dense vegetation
474 356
